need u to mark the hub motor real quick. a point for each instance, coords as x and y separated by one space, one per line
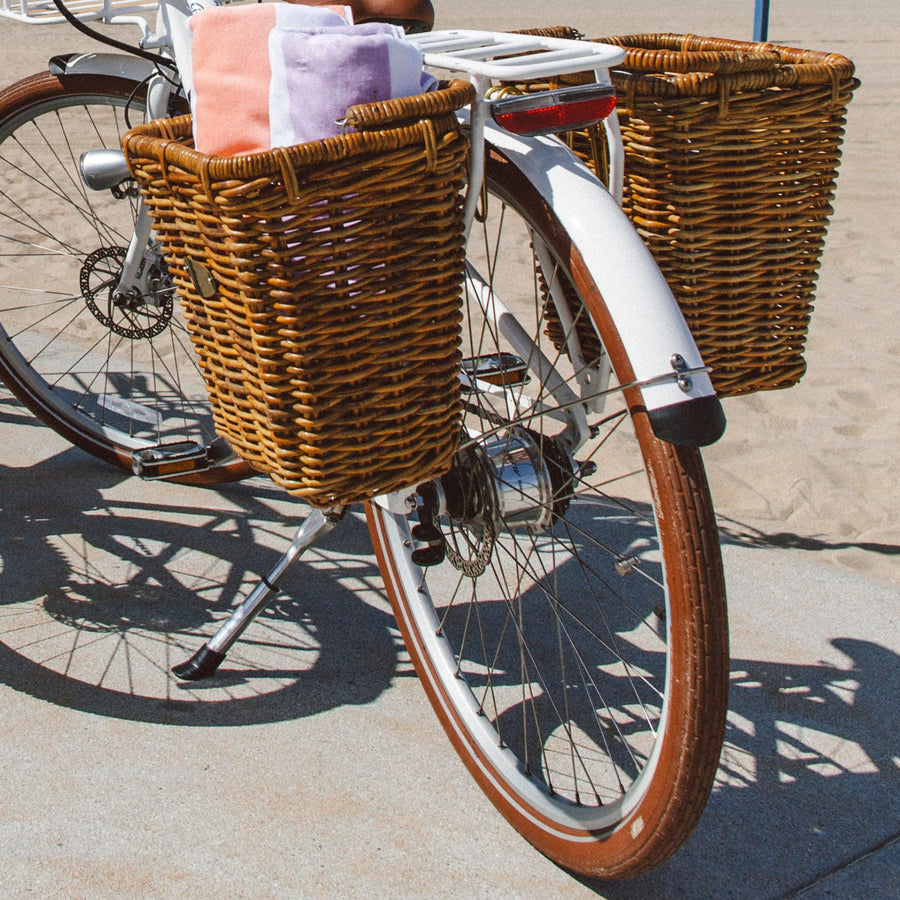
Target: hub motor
514 479
527 477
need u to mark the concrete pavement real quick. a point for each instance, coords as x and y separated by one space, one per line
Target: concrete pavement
321 770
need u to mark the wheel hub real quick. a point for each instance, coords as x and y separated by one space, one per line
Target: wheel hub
134 314
513 479
528 477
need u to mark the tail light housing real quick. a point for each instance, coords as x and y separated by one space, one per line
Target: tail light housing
548 112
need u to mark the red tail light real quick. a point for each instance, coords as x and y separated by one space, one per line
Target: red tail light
551 111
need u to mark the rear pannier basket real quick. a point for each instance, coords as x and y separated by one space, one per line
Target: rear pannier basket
731 157
322 290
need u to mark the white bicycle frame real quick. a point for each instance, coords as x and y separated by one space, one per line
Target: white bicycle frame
667 369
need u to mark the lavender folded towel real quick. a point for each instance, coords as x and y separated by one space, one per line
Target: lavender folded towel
267 76
318 73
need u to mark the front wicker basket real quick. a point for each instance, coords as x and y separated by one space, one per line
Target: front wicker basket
731 156
322 290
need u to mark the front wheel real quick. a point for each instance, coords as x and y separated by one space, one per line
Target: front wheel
560 590
111 372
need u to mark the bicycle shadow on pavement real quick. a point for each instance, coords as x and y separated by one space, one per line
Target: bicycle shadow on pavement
808 781
741 534
106 582
809 776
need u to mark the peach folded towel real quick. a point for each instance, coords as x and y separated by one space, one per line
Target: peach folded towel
276 74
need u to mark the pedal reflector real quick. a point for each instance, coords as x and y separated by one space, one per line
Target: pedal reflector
166 460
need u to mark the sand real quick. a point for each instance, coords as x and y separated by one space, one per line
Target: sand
813 469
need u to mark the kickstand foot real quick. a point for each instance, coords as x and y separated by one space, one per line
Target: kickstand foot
201 665
207 659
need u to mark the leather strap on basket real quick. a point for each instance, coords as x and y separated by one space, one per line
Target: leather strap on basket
162 149
835 86
161 153
205 178
724 94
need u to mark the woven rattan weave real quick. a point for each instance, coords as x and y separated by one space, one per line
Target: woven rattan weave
322 285
731 156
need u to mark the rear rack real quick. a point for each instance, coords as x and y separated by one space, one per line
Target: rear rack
513 57
498 56
44 12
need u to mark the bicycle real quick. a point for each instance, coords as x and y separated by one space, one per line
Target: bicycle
560 590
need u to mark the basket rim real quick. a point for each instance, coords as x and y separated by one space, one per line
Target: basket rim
688 52
384 125
696 65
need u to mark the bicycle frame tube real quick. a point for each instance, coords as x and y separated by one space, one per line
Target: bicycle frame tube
476 118
159 90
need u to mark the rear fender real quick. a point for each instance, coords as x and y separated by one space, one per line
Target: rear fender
656 338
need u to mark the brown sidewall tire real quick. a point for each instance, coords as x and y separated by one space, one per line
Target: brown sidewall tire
690 744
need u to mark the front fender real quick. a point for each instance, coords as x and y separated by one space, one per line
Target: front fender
640 303
118 65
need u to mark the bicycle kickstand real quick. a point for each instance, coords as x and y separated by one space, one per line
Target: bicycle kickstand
207 659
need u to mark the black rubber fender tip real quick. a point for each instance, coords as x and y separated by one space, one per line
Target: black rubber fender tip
202 664
695 423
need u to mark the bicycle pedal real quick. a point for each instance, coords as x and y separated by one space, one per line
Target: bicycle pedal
167 460
502 370
426 532
432 555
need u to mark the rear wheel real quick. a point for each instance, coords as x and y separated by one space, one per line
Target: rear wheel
560 591
113 374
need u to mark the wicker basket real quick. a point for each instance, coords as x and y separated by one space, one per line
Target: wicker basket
322 286
731 156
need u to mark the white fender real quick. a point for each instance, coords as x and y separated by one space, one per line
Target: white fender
119 65
642 306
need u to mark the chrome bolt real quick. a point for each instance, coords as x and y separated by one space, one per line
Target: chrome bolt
624 565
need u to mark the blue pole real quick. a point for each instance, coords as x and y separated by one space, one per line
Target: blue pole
761 21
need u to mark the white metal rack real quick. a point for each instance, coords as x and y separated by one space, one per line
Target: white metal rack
43 12
511 57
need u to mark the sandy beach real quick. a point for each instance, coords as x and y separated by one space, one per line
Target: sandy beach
814 468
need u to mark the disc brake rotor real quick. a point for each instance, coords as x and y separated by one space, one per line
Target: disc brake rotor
133 315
